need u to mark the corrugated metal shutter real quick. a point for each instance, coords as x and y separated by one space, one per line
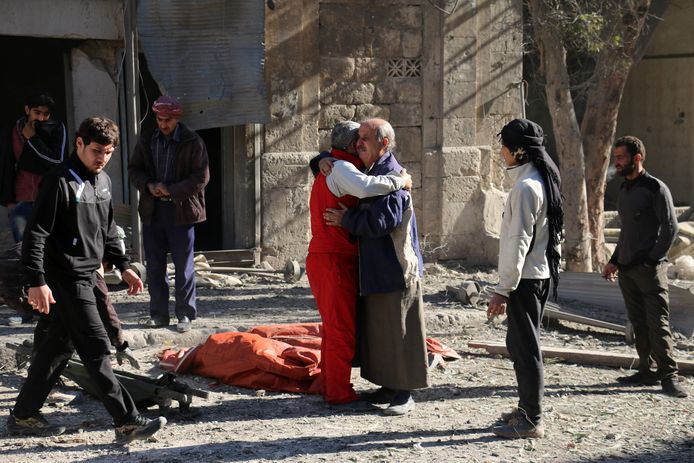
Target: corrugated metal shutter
211 55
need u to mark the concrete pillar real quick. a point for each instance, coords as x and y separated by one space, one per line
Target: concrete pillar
91 77
472 66
291 137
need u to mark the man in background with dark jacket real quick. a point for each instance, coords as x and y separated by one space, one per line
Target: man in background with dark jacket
649 226
30 148
170 168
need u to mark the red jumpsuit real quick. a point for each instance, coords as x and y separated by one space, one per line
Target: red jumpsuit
332 269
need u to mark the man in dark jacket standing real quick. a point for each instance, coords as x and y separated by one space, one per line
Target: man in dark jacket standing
392 347
34 145
649 227
170 168
70 231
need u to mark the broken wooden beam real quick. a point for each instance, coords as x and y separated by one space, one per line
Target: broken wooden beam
552 311
584 357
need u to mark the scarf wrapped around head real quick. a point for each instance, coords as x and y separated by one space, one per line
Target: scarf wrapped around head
168 106
524 136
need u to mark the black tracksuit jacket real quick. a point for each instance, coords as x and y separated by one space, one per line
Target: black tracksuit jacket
71 229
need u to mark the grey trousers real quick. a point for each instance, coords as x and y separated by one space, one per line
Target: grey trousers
645 292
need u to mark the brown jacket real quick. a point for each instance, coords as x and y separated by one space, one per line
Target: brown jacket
191 174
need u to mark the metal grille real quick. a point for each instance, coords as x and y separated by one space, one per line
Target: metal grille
404 67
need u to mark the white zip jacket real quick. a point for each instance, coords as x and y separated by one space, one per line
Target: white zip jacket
525 216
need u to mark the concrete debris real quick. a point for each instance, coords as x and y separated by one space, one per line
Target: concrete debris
684 267
468 292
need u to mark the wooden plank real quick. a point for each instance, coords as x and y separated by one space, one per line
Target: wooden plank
585 357
553 311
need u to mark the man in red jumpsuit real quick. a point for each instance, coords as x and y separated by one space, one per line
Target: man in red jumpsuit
332 262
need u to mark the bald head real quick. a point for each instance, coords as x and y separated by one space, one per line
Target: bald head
376 138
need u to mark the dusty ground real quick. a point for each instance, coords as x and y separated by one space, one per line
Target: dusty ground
589 417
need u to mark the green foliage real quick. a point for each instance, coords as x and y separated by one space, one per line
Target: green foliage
587 26
586 32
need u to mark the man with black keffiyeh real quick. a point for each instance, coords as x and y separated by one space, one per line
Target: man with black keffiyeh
529 254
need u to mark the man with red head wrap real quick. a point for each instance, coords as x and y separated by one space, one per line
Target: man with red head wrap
170 168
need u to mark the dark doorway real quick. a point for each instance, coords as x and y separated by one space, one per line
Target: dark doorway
31 66
208 234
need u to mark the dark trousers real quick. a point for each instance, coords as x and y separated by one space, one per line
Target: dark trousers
19 217
524 313
74 324
645 292
160 237
104 306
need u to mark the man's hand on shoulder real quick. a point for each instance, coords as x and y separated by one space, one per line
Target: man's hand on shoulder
407 178
325 165
133 281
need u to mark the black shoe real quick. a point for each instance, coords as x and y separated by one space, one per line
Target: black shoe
35 425
672 387
647 379
154 323
402 404
508 416
140 428
519 428
184 325
353 406
382 395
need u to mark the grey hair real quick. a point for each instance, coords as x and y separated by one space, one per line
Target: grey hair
385 130
343 134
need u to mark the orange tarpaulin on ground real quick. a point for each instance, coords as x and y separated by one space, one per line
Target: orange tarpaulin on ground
273 357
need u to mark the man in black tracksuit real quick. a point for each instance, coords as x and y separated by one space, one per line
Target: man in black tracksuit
649 227
70 232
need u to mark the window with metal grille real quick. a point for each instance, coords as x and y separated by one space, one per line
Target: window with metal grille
404 67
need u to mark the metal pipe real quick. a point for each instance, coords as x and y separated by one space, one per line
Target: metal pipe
132 109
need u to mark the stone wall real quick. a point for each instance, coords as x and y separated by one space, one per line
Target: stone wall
447 83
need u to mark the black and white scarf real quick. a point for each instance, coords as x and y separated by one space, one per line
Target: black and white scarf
522 135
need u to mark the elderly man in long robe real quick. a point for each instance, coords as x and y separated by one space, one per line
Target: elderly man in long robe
392 346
